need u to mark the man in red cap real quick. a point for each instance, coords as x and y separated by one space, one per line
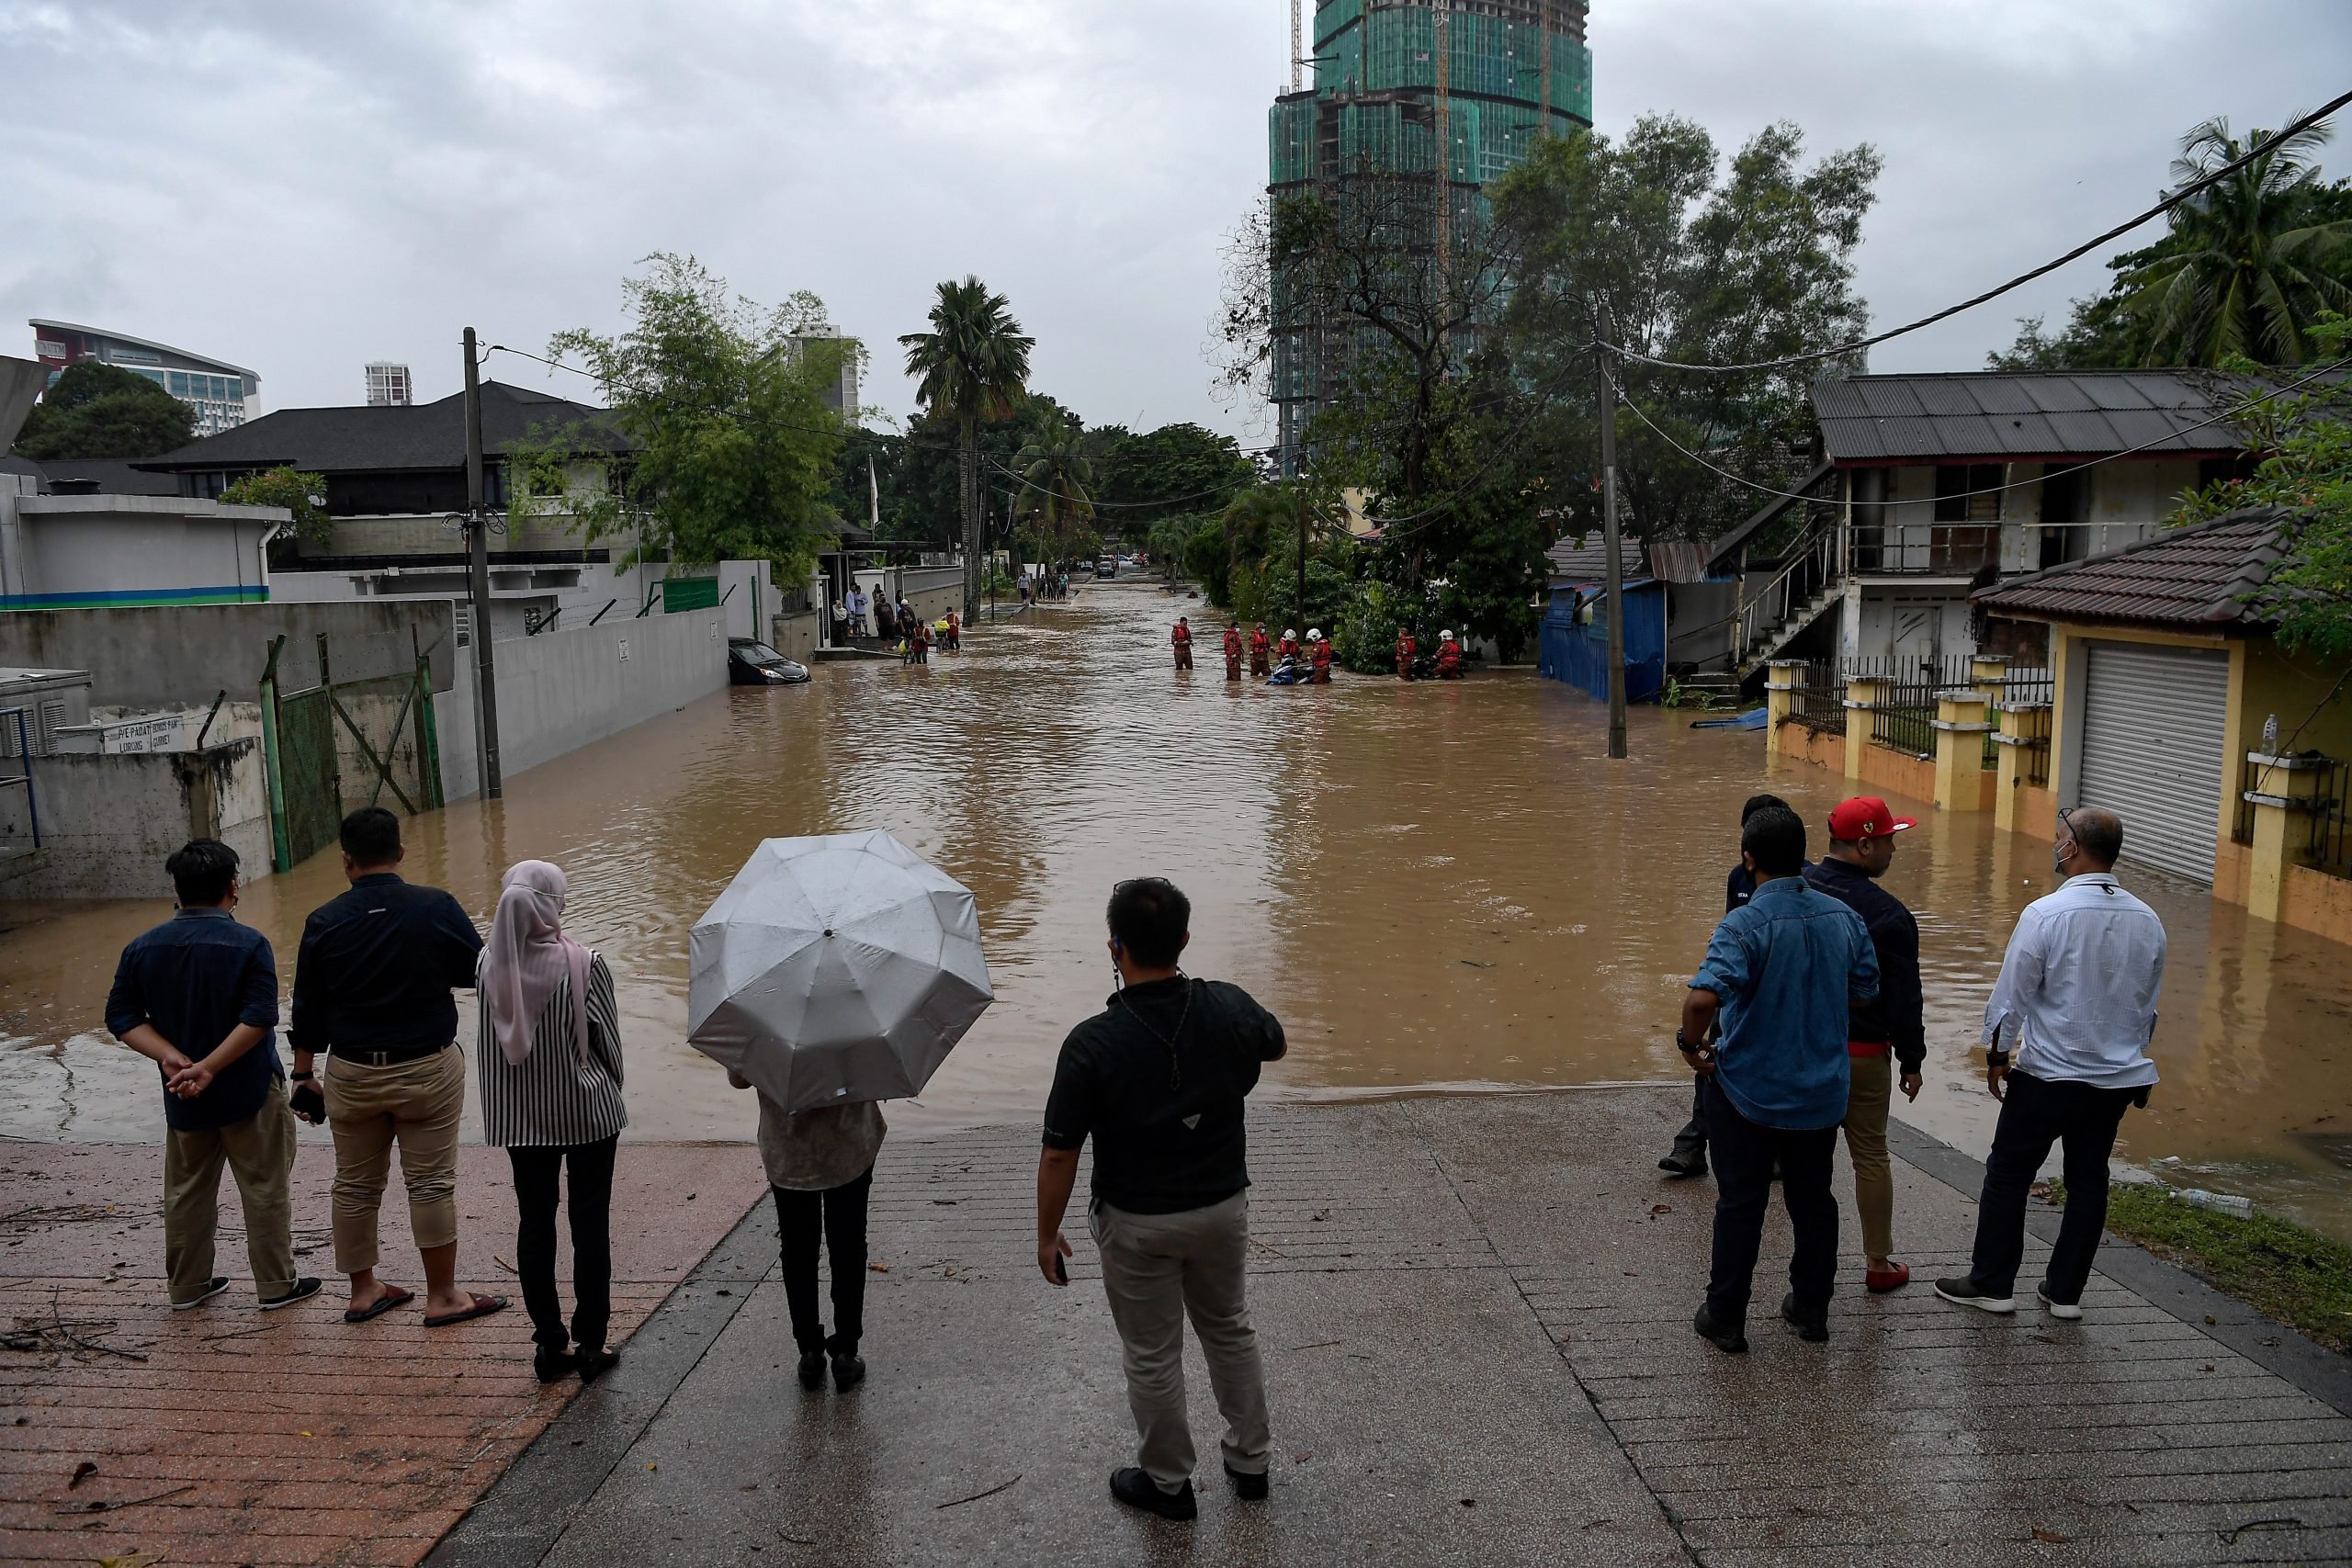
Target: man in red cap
1861 846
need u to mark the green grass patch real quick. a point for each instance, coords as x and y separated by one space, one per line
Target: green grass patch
2297 1276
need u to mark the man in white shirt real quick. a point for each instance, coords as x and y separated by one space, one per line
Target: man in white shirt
857 611
2075 1003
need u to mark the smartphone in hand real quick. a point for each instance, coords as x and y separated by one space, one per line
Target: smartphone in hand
309 1102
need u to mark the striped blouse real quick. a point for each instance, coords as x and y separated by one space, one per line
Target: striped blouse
556 1097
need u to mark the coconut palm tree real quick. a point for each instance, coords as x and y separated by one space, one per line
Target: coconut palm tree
2244 271
1055 496
973 364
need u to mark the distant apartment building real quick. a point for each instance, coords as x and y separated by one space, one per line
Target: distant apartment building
841 395
389 386
223 395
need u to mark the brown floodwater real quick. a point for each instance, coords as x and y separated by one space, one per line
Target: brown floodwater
1437 886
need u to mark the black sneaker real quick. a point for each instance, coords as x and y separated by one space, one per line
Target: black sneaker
1730 1338
1812 1325
1136 1490
849 1370
1684 1162
812 1369
1964 1290
1248 1487
595 1362
217 1283
304 1289
553 1366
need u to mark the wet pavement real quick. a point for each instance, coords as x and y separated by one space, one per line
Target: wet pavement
1474 1312
1437 886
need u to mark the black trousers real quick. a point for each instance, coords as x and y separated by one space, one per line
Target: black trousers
840 1213
2036 1113
1692 1139
590 1207
1743 1152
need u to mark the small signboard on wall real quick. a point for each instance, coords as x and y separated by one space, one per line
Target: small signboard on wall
688 594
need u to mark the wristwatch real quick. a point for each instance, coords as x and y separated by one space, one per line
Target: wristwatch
1996 1058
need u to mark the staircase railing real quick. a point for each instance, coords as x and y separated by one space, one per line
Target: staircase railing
1810 566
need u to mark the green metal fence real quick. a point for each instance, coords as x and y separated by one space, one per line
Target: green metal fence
342 744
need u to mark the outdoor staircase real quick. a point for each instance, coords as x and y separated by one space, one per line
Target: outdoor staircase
1767 647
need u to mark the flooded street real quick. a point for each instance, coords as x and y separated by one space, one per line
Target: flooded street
1436 885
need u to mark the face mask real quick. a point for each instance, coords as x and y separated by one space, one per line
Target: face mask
2058 863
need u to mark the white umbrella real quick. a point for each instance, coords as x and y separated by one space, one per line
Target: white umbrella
836 968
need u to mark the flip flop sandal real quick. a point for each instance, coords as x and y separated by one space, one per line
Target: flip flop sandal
484 1306
384 1303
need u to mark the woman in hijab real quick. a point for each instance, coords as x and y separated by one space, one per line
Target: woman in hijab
551 1093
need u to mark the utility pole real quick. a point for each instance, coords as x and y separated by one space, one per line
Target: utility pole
1302 564
1610 543
494 785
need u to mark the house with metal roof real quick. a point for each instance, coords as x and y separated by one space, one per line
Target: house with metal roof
1933 485
2174 706
1675 618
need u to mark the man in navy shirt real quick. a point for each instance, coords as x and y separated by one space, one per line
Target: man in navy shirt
197 996
1783 971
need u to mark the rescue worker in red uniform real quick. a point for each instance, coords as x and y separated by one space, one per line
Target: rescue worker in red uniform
1232 653
1261 663
955 632
1322 657
1449 656
1182 641
1404 651
1288 647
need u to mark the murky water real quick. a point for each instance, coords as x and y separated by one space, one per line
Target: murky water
1436 885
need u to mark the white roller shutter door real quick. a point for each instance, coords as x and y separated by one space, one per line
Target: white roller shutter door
2153 721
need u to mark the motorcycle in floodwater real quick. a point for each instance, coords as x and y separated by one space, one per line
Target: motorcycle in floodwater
1290 673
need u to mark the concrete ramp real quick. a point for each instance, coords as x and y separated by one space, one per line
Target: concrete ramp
20 385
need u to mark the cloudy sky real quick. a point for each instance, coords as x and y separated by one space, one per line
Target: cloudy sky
300 187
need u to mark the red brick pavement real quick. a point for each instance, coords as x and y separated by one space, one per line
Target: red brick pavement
289 1436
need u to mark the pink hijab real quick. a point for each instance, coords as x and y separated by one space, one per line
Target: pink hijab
527 954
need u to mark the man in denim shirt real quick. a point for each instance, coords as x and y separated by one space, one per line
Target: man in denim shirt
1783 970
197 996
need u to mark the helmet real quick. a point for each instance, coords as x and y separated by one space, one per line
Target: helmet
1445 636
1288 632
1314 635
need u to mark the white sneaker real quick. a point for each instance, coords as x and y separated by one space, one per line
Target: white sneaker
1963 1290
2065 1310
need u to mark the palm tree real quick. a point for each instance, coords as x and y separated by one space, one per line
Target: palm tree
1054 498
2244 271
973 364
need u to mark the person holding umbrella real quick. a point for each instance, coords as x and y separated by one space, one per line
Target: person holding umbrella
551 1056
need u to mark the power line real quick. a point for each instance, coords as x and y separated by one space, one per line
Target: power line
2229 413
2166 205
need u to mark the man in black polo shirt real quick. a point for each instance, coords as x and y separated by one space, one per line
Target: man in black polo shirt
197 996
1157 1078
371 989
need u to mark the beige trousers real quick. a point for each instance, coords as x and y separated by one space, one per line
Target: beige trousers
1866 1107
416 1104
259 1151
1156 1270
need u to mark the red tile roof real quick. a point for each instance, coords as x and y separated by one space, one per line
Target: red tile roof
2200 576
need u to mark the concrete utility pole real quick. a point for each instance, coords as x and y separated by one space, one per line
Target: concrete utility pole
1604 333
494 785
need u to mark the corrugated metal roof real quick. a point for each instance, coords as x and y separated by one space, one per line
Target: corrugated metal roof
1992 414
2197 577
1586 559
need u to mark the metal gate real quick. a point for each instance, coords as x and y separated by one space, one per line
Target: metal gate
2152 724
343 744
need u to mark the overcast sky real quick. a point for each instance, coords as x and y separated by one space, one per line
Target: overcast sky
301 187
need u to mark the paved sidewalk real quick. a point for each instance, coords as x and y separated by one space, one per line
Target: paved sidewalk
227 1434
1476 1319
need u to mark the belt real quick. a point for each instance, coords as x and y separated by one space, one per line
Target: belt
391 1056
1866 1047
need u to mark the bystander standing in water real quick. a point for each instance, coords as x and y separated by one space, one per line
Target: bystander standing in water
197 996
857 611
550 1050
1158 1079
2073 1010
1783 971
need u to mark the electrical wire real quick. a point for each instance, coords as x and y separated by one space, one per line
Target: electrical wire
2166 205
2231 412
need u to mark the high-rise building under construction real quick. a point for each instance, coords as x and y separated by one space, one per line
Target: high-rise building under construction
1394 82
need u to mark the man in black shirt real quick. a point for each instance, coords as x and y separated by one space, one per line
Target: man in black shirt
1861 846
1689 1156
371 989
1158 1079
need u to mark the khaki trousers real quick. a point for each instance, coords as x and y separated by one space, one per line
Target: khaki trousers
1156 1270
416 1104
1866 1107
259 1151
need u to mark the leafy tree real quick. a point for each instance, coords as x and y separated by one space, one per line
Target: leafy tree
972 365
1175 470
103 411
1264 531
1053 502
303 494
1702 261
732 447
